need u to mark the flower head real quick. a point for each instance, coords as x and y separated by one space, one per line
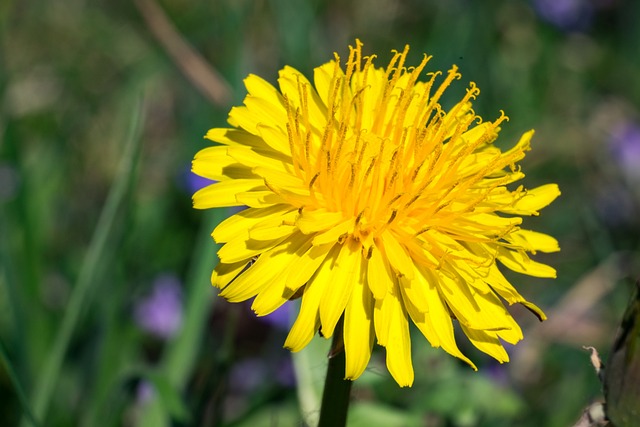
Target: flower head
373 203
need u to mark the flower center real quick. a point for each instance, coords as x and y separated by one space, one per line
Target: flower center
382 157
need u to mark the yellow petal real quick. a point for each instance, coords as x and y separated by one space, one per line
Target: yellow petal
259 87
277 293
246 219
380 277
306 266
534 200
259 199
308 320
334 233
214 163
314 220
487 342
533 241
274 228
266 110
420 254
397 255
275 138
292 82
224 194
279 180
415 290
382 320
502 286
484 221
512 334
358 330
399 342
235 138
242 117
346 272
225 273
322 78
473 308
253 159
520 262
241 248
254 279
436 324
476 132
523 144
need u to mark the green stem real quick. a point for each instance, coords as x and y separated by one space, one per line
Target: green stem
337 389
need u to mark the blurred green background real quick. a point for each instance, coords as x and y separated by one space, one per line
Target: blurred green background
107 317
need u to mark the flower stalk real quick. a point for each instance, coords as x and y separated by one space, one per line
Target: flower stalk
337 389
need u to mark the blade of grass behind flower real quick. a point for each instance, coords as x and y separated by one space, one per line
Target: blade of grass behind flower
47 380
310 366
180 355
16 385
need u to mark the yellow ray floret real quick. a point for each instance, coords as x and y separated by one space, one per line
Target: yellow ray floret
375 205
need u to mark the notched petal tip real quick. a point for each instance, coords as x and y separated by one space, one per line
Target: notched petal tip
534 309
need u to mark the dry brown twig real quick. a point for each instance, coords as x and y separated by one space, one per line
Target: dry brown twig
593 416
197 70
569 320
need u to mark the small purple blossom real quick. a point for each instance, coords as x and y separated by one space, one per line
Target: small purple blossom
625 147
248 374
567 15
281 318
145 392
498 374
285 373
251 374
614 205
160 313
191 182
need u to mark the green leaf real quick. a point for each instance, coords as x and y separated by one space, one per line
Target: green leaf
370 414
310 366
169 397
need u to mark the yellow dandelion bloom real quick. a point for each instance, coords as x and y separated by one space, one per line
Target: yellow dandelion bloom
371 202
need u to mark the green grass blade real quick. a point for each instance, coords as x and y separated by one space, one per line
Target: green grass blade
16 385
310 366
46 381
181 354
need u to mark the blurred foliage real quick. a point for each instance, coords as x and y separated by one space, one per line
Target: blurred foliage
69 74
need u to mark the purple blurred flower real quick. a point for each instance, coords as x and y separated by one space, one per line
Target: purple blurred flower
281 318
190 182
248 374
285 373
497 373
161 312
614 205
197 182
567 15
625 147
145 392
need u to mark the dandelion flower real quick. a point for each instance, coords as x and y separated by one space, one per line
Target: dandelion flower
370 201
